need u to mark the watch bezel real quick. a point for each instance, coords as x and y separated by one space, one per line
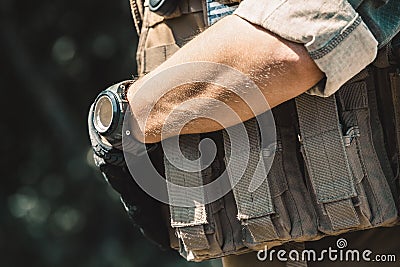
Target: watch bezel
116 112
117 95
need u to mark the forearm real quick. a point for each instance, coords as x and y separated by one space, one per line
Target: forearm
281 70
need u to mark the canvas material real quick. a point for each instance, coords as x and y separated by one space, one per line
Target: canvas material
298 216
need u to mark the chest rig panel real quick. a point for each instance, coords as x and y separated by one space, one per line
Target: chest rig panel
336 164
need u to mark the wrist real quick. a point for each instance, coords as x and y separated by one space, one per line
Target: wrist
144 120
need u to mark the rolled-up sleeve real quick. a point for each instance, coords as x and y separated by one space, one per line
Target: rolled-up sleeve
333 33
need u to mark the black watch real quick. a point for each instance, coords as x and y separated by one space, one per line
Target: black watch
107 117
109 111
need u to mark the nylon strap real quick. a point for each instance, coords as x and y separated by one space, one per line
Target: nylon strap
326 158
254 208
353 96
193 238
137 14
395 87
189 220
369 159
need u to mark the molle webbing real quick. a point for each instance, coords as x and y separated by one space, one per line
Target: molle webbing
346 189
254 208
137 14
188 220
385 123
369 160
326 158
349 189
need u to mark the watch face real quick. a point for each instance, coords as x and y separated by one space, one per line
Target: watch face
103 114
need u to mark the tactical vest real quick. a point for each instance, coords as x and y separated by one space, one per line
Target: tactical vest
336 165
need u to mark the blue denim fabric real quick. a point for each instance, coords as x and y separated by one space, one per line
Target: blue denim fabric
341 36
381 16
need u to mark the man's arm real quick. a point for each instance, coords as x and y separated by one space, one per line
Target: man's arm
281 69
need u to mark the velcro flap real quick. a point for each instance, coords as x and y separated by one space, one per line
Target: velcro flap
324 148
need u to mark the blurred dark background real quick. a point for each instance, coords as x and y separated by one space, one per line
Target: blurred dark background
55 207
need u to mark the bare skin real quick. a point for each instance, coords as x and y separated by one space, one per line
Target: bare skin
281 69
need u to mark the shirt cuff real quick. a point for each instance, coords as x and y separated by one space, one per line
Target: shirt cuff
333 33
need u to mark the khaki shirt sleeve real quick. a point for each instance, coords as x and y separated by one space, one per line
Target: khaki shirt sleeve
331 30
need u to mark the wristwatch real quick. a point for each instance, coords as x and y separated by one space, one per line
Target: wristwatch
109 110
107 120
109 140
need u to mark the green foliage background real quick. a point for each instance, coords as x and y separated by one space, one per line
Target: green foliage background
55 207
